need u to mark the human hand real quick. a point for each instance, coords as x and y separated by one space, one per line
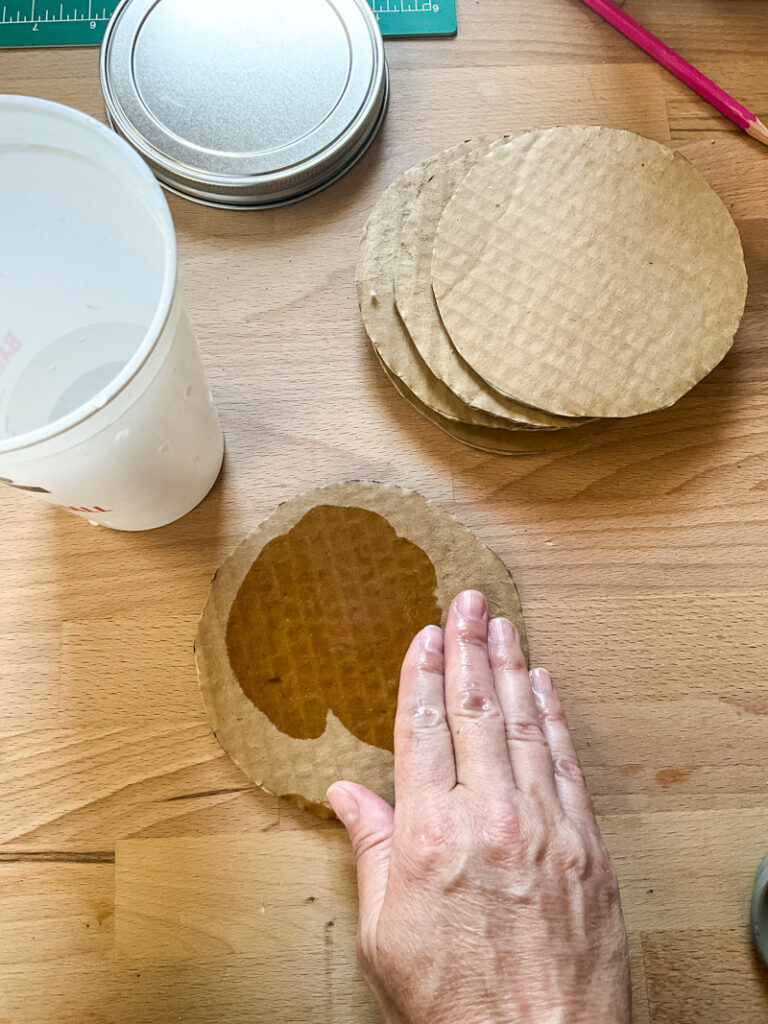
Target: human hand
487 896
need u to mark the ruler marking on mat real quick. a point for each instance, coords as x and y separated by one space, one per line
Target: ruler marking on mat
46 23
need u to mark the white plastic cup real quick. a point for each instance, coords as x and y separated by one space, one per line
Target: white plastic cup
104 406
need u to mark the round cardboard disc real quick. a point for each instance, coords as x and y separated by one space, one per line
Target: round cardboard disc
415 300
376 295
301 639
589 272
500 442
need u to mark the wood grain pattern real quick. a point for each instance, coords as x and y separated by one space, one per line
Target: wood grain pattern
134 856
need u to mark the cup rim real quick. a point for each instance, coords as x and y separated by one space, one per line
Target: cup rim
170 275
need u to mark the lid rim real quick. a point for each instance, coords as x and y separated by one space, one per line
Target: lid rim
270 202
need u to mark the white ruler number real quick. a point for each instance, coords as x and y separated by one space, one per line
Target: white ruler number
34 19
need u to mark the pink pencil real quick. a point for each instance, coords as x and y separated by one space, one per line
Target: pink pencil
686 72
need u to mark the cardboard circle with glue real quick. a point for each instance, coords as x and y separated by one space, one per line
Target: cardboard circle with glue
301 639
589 272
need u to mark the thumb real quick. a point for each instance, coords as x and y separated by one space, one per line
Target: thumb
369 822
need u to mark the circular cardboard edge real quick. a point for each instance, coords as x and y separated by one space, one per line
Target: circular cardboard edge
444 539
510 412
375 289
574 409
508 442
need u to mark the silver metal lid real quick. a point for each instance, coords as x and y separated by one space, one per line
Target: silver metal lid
245 103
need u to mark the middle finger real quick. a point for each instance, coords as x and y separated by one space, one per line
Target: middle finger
474 712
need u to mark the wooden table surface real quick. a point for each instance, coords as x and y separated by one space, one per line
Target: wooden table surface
142 878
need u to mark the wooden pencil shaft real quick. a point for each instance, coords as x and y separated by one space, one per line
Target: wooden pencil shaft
673 62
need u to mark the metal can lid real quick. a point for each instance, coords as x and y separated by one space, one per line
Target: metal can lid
245 103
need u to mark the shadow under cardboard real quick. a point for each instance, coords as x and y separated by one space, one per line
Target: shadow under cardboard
631 461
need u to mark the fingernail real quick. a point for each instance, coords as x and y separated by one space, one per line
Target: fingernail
344 804
501 631
472 605
432 638
541 682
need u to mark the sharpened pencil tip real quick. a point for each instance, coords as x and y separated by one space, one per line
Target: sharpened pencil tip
758 131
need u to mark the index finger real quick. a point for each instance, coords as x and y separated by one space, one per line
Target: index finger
424 762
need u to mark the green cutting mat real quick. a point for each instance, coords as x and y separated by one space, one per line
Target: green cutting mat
82 22
415 17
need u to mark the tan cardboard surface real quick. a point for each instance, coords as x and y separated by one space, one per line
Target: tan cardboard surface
500 442
589 272
300 642
376 294
415 300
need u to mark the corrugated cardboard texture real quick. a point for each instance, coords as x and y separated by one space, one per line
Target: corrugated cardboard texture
300 642
589 272
379 247
500 442
295 662
415 300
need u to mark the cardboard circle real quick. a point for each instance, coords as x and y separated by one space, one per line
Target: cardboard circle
589 272
376 295
415 300
300 570
500 442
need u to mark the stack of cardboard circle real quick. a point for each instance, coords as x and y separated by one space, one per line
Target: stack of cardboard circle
520 291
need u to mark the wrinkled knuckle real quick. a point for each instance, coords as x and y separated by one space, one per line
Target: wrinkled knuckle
541 797
538 838
422 716
434 834
553 713
507 657
568 769
477 705
472 633
429 847
501 834
427 662
575 857
525 730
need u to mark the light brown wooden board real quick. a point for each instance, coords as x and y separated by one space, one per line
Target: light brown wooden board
641 559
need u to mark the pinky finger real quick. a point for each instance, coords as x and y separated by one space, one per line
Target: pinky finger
569 777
